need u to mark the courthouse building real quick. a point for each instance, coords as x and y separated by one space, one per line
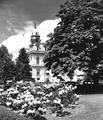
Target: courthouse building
36 54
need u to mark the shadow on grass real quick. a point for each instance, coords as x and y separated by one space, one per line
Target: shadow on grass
40 118
73 107
64 113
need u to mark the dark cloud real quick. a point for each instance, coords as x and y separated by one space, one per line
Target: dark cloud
36 9
14 13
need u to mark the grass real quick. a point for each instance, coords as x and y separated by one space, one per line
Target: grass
6 114
90 108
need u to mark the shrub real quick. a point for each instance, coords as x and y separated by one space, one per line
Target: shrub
31 102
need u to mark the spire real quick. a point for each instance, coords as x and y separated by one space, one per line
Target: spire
35 39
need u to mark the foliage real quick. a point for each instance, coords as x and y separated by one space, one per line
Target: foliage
77 40
31 102
7 66
22 66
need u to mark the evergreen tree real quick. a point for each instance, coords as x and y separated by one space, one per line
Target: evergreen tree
77 41
7 66
22 66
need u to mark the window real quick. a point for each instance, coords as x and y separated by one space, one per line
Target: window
38 78
38 72
37 59
47 74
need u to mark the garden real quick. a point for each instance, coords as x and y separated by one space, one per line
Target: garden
34 101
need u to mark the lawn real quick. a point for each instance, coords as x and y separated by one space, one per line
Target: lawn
90 108
6 114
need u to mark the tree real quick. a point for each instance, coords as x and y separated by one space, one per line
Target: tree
7 66
77 41
22 66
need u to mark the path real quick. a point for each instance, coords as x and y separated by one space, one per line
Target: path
90 108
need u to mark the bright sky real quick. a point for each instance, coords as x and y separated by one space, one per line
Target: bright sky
18 16
22 39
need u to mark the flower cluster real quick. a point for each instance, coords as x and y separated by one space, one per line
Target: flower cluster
28 101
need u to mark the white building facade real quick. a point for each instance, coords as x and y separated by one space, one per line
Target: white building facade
36 54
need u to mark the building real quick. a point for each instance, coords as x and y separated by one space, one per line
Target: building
36 54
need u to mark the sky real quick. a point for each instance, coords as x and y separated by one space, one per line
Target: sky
17 18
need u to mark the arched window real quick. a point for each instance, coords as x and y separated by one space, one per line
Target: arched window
37 59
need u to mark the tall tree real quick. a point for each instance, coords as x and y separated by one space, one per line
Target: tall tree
22 66
7 66
77 41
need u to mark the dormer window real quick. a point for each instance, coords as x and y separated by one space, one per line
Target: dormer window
37 59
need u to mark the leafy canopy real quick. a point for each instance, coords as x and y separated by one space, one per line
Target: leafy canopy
77 41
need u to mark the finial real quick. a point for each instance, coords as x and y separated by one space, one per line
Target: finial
23 34
35 25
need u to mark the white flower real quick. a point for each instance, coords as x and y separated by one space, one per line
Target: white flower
24 105
70 87
44 110
1 90
10 89
62 105
48 101
18 82
24 87
9 98
21 111
30 102
16 91
77 96
58 101
8 103
36 101
3 93
40 108
74 88
29 99
30 111
61 92
51 93
39 92
44 98
17 101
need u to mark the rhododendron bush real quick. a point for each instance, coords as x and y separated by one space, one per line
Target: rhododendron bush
36 100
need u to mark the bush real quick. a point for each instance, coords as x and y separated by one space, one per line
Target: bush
32 102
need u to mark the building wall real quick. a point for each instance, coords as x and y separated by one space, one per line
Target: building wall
37 65
42 75
33 60
36 54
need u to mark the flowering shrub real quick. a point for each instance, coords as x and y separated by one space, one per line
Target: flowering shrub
30 102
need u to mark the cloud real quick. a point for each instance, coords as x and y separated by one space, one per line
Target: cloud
17 15
47 27
15 42
12 20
